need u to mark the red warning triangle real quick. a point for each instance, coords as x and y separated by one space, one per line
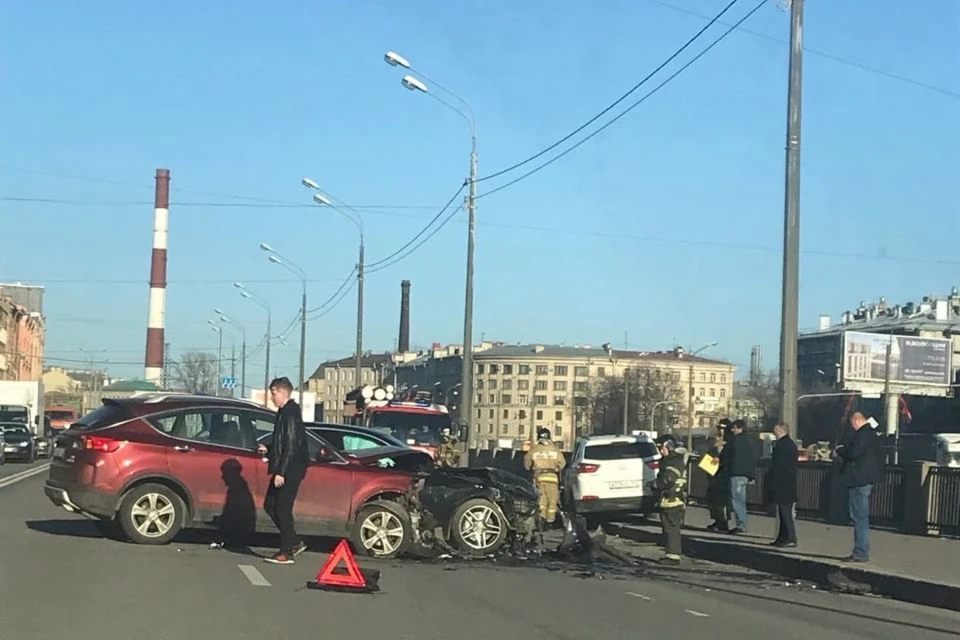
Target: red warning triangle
353 576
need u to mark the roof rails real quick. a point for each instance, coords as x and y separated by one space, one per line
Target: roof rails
157 397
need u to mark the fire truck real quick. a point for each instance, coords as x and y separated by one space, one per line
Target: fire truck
411 417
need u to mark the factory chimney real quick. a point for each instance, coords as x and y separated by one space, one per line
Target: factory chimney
157 310
403 344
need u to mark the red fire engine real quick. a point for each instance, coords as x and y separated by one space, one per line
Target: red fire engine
412 417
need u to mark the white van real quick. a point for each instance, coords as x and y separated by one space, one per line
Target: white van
612 475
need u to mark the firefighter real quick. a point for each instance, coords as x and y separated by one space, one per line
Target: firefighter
546 461
448 455
671 486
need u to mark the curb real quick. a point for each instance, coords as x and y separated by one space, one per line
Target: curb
903 588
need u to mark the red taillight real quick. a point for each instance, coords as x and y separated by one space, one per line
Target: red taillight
654 464
587 468
589 499
97 443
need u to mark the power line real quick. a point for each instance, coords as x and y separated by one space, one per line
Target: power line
823 54
371 266
615 103
264 204
345 282
335 303
385 265
633 106
142 281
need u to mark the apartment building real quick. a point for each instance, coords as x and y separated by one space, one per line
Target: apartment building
520 388
335 380
22 333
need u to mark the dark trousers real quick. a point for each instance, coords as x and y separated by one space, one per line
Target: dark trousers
788 526
671 519
279 506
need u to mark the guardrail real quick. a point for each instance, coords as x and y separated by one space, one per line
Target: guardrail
917 498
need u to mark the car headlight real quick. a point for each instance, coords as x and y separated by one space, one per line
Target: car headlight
24 445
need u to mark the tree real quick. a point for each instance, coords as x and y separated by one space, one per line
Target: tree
649 391
765 392
196 372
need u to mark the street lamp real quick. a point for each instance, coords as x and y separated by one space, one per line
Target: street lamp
243 349
419 83
293 268
353 216
653 413
249 295
219 330
709 345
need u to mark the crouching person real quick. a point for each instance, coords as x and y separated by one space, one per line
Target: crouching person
671 486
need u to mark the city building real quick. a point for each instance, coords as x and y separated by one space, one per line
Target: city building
335 380
520 388
820 359
22 332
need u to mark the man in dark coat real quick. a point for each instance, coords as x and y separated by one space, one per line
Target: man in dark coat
781 485
718 486
860 471
741 458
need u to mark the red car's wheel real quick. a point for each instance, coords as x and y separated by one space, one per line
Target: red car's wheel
382 530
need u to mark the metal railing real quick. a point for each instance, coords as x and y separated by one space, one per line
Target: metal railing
943 510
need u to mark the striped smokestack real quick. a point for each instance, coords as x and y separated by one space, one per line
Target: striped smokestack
403 344
158 280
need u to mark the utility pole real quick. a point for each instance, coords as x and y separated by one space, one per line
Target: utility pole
303 340
219 359
791 228
467 371
266 366
690 409
359 363
233 365
626 389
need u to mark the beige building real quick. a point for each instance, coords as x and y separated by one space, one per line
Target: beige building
520 388
334 380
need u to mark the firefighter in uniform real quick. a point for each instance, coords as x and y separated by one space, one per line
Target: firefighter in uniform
448 455
546 461
671 486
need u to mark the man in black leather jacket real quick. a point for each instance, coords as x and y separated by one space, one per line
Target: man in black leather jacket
287 458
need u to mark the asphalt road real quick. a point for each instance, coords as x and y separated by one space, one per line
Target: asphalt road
60 579
15 469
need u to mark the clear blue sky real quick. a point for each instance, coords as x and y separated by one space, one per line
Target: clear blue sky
667 225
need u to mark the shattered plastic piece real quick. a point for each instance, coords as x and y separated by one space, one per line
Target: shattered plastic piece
216 545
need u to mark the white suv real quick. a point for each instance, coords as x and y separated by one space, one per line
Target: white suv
612 475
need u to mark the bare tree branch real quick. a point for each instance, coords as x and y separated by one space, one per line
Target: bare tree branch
196 372
652 394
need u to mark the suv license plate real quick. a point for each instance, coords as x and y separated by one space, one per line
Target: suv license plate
625 484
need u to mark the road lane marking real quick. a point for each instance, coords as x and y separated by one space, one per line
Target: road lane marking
253 575
697 613
640 595
23 475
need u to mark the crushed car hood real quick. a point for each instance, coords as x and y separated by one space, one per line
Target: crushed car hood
446 489
400 459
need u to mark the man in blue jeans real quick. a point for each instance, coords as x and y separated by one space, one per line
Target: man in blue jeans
742 461
860 470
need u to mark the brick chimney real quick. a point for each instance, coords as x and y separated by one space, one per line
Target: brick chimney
403 344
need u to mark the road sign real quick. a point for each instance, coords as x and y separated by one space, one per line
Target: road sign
228 383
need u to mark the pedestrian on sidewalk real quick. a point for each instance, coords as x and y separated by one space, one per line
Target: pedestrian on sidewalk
781 485
718 486
860 470
671 486
287 462
743 470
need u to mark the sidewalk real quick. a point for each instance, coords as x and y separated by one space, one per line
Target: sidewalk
917 569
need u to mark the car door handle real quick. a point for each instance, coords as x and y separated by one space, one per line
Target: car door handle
182 448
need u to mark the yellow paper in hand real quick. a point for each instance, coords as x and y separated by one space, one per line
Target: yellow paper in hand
710 464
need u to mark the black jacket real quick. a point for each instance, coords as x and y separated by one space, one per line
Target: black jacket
861 458
781 480
742 457
289 447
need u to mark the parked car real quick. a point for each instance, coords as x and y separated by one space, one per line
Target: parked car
3 449
19 443
158 463
611 476
343 437
45 445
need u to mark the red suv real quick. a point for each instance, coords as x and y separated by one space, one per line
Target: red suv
160 463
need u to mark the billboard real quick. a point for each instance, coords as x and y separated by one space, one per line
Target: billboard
913 360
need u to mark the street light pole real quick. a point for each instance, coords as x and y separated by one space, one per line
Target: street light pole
416 84
692 402
249 295
360 278
292 267
243 350
353 216
789 328
219 356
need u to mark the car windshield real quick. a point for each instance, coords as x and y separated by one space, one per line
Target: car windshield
61 415
620 451
13 413
15 430
411 428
